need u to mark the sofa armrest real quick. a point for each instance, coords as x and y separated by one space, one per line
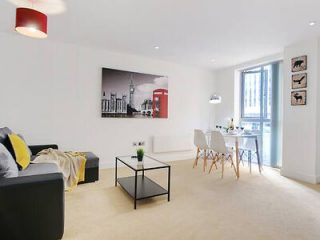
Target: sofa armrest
35 149
32 207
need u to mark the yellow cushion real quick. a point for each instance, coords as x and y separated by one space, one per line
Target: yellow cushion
20 149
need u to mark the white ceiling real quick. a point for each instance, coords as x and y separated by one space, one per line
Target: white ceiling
187 31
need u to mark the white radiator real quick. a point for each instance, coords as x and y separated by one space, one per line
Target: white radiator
163 144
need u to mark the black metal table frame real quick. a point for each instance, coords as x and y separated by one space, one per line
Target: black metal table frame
136 175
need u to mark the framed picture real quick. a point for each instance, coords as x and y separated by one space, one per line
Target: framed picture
298 98
299 80
299 64
128 94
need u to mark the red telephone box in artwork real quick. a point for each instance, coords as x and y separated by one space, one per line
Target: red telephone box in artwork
160 103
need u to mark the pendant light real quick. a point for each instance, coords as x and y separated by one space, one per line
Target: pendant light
31 23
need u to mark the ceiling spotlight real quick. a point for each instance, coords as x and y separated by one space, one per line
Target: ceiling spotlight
212 60
156 47
312 23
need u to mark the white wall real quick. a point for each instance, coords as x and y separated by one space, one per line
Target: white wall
50 92
301 128
225 83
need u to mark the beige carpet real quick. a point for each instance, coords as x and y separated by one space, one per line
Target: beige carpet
202 206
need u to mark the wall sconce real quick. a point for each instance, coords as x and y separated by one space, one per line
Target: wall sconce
215 99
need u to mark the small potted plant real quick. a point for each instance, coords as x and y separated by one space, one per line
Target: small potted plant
140 153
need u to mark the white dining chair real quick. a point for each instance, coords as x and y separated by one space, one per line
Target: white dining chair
248 146
218 145
203 149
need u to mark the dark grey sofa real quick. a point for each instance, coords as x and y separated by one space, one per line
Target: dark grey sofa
32 204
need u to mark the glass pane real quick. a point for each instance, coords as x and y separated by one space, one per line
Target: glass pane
266 144
267 93
251 94
251 126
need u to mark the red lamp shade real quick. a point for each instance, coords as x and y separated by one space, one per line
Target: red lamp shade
31 23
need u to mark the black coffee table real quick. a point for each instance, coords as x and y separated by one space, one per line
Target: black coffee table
140 186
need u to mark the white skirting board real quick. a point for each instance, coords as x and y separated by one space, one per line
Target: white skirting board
300 176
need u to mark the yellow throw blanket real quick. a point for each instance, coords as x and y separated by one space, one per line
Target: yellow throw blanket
71 164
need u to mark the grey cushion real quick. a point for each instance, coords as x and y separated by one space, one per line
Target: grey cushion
39 168
4 133
8 167
92 160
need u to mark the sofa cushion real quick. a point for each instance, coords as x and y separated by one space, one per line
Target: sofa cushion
29 150
20 150
4 133
8 167
39 168
92 160
7 143
4 139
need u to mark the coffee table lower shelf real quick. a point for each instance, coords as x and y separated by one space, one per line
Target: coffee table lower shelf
146 188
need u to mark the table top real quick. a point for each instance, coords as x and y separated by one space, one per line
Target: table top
241 135
148 163
238 135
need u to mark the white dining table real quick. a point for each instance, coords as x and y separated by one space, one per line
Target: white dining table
236 137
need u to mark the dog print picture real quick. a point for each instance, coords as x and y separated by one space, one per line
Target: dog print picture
299 80
299 64
298 98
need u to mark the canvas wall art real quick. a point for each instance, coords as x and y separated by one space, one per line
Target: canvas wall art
299 80
299 64
128 94
298 98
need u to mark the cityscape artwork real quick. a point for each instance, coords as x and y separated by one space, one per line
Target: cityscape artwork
133 95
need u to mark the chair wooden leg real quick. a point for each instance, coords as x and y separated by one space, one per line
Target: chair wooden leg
210 169
214 156
214 162
222 163
197 157
205 160
234 166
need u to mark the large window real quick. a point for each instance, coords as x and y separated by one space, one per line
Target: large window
256 93
259 108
